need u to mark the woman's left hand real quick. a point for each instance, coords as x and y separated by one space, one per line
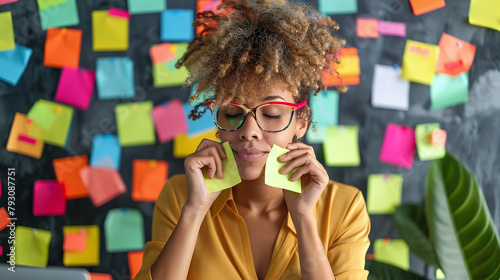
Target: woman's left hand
312 174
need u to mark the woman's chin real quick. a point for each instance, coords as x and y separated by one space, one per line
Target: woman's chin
250 174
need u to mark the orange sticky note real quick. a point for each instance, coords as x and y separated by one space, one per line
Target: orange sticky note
438 138
100 276
206 5
62 47
4 218
348 70
455 56
21 128
135 262
424 6
148 179
367 27
75 242
67 173
163 52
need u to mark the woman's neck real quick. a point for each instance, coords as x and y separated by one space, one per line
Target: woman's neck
257 197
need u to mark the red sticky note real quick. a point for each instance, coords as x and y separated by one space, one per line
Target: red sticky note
424 6
103 184
4 218
100 276
134 262
75 87
173 111
149 176
399 146
455 56
367 27
48 198
75 242
62 47
67 172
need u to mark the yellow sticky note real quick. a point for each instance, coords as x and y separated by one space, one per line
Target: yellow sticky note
485 13
230 171
109 32
185 145
19 140
89 256
341 146
392 251
274 178
419 62
32 246
7 41
384 193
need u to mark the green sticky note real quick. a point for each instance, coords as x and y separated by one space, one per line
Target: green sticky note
7 41
42 115
449 91
32 246
393 251
341 146
384 193
135 124
440 274
338 6
124 230
44 4
274 178
57 134
146 6
61 15
165 74
426 151
316 136
325 108
230 170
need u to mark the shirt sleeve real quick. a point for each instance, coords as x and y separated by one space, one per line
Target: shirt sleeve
165 217
347 254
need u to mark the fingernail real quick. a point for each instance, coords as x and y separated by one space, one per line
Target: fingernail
282 170
281 157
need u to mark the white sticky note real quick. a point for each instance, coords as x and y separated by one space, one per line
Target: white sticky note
389 90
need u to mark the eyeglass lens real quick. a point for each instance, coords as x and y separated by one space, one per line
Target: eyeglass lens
273 117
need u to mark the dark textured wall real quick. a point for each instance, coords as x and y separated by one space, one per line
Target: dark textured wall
473 128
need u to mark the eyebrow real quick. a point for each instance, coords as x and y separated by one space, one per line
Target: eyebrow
273 97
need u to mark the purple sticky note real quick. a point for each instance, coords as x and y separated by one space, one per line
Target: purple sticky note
169 120
392 28
48 198
75 87
399 146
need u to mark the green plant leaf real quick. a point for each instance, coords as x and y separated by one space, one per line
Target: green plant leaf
384 271
411 224
461 229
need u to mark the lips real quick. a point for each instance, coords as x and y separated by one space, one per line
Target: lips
249 154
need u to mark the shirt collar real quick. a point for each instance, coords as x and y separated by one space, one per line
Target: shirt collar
290 224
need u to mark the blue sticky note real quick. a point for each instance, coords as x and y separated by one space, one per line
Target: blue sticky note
449 91
63 14
325 107
106 151
334 7
115 77
13 63
200 125
176 25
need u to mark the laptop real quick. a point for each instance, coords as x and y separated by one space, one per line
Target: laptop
48 273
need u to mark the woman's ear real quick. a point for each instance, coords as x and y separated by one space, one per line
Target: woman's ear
301 128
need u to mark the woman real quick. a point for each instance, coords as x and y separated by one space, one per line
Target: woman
259 62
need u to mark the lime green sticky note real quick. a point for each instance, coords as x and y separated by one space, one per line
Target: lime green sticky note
341 146
42 115
44 4
449 91
165 74
393 251
426 151
230 170
124 230
7 41
440 274
419 62
135 124
109 32
64 14
485 13
57 134
384 193
274 178
32 246
89 256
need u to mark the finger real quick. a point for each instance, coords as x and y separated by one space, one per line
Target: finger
317 173
296 151
201 161
302 160
206 143
212 151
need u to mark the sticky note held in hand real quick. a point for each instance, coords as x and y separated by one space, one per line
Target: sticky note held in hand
274 178
230 171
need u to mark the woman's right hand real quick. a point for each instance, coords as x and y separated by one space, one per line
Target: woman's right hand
208 157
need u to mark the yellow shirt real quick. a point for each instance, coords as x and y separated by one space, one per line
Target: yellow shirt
223 249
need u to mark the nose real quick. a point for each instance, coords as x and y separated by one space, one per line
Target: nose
250 129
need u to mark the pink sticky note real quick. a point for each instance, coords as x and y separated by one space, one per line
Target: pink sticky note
119 13
48 198
389 28
169 120
1 250
103 184
399 146
7 1
75 87
162 53
75 242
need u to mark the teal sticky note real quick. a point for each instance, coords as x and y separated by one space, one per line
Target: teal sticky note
13 63
325 108
273 177
64 14
105 148
384 193
449 91
230 170
425 149
334 7
115 77
341 146
146 6
32 246
176 25
124 230
200 125
204 95
316 135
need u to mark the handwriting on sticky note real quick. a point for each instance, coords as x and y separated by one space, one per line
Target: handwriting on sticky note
419 50
274 178
230 171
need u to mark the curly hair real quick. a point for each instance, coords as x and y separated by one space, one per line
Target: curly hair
245 48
